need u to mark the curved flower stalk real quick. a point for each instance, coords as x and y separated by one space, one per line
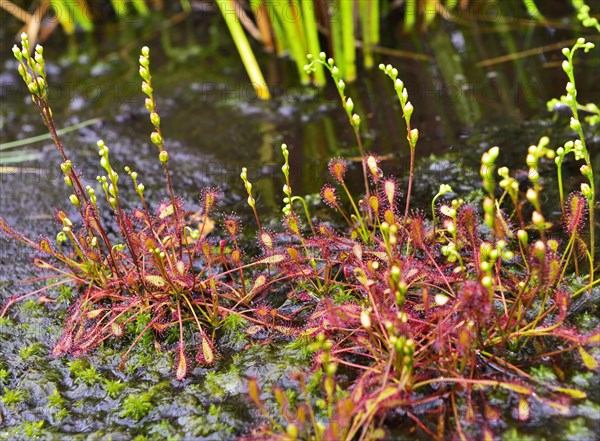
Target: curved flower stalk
579 146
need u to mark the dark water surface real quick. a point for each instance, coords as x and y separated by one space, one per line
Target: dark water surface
214 126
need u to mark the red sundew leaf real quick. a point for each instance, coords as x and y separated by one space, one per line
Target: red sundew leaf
95 313
594 338
42 264
523 411
117 329
488 435
271 259
258 283
253 329
166 211
266 239
181 371
63 345
575 213
155 280
357 250
589 361
577 394
559 407
206 356
373 404
281 398
516 388
254 391
286 330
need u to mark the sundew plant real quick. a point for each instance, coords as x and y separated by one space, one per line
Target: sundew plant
412 316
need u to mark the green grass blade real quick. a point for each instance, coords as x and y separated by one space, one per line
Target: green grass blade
349 59
244 48
312 37
39 138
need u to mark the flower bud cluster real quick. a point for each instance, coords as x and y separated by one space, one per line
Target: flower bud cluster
248 185
405 104
287 190
32 69
534 154
488 165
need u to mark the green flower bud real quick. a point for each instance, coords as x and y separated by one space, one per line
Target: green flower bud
398 85
163 157
155 119
17 53
74 200
68 181
587 191
408 110
586 171
292 431
156 138
487 282
539 249
147 89
537 219
61 237
349 106
414 136
144 73
365 319
66 166
395 273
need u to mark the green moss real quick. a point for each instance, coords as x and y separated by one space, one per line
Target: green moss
514 435
11 397
234 323
61 414
114 387
33 429
341 296
4 375
56 399
543 374
30 352
137 406
577 430
90 376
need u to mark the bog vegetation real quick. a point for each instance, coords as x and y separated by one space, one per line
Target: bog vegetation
407 314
